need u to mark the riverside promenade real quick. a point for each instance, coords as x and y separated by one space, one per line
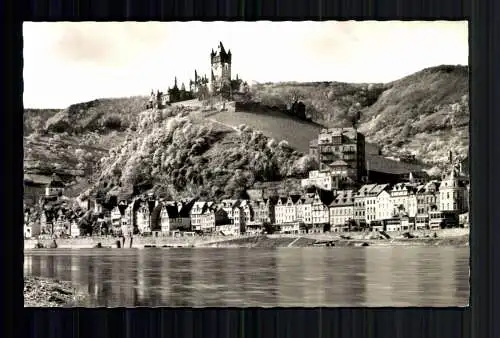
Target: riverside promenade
425 237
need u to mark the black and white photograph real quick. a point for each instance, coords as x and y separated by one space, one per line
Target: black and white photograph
246 164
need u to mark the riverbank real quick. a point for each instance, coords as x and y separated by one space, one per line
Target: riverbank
446 237
44 292
280 242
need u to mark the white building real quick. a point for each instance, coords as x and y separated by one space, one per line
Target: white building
384 207
32 230
360 203
196 211
320 213
304 209
342 211
74 230
320 179
452 193
404 199
285 210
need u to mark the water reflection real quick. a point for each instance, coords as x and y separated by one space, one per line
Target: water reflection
262 277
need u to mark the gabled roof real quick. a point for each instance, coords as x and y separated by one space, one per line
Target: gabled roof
342 201
272 200
378 189
365 189
325 196
171 210
186 208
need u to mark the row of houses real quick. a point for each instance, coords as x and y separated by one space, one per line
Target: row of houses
420 206
400 206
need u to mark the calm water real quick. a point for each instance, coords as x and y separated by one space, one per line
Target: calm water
397 276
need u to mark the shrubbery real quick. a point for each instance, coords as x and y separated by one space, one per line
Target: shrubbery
180 157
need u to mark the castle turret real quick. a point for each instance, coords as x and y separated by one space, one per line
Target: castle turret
221 72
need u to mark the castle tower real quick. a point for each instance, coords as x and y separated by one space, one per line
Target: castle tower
220 82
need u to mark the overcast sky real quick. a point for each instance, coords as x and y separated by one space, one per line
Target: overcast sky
67 62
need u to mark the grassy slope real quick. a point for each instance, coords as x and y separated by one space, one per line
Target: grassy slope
298 134
412 114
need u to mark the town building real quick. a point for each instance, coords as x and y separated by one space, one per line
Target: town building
74 229
341 150
404 199
32 229
372 201
360 197
263 211
320 212
171 218
234 211
427 197
304 208
341 211
325 180
247 212
116 218
195 214
220 80
384 206
143 218
61 225
47 222
285 209
452 192
128 219
55 188
213 217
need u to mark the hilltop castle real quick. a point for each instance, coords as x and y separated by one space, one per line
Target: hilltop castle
220 80
220 83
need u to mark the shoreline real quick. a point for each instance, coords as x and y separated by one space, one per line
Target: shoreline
47 292
448 237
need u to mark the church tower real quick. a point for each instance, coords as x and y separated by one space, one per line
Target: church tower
220 81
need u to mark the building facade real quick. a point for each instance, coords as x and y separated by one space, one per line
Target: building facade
304 209
452 193
341 150
404 199
285 210
320 214
360 204
342 211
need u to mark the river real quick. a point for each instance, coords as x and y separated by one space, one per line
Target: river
241 277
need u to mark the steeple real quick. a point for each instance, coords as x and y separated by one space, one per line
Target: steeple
175 82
